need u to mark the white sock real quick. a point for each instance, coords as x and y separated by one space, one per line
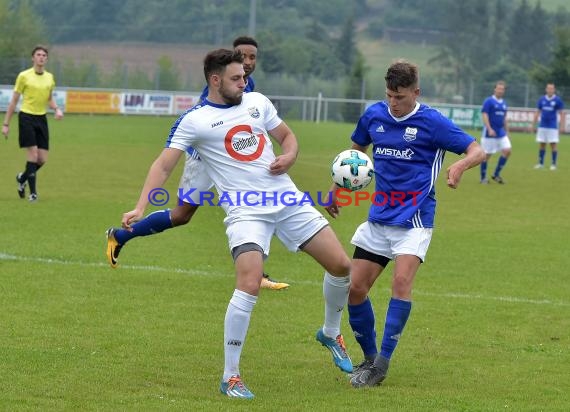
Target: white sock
235 329
335 291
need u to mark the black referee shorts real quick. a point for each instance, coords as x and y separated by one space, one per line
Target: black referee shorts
33 130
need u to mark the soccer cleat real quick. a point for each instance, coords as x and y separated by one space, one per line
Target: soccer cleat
499 180
235 388
113 248
552 167
338 350
33 197
21 186
372 375
484 181
539 166
268 283
356 370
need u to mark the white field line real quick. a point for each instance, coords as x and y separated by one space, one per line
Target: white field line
317 282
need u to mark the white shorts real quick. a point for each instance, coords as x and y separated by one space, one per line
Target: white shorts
195 177
391 241
293 225
493 145
544 135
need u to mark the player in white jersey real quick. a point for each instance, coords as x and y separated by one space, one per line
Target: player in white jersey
230 132
409 141
194 178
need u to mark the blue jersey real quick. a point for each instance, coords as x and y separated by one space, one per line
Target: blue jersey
249 87
549 108
496 109
408 154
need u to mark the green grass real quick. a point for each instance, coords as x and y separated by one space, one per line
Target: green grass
489 329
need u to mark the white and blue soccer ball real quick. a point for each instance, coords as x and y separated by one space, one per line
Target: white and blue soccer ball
352 170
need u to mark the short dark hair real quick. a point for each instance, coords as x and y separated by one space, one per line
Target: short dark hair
245 40
39 47
217 60
401 73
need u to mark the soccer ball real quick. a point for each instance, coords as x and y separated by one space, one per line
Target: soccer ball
352 170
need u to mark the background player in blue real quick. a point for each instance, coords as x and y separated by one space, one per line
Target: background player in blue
409 141
495 136
549 107
193 177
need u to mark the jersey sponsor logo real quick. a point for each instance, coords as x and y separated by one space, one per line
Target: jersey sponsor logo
217 124
410 134
380 129
398 154
234 342
253 112
239 142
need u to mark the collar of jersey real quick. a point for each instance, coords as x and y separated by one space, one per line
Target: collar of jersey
406 117
219 106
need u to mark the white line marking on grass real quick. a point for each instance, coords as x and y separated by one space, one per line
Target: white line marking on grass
465 296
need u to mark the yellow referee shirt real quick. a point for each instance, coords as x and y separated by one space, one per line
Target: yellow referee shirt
36 89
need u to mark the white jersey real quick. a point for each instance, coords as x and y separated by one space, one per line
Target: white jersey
233 143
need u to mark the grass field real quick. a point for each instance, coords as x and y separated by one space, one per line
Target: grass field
489 329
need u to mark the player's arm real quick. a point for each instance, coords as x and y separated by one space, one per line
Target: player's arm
333 208
9 112
474 156
157 175
289 146
53 105
485 117
534 124
506 124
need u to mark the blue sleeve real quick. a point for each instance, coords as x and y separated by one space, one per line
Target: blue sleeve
360 136
449 136
485 108
250 86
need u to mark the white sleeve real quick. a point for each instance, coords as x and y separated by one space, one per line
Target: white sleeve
270 116
182 134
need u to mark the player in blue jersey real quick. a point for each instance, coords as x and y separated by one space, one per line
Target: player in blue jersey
549 107
231 132
409 141
495 135
193 177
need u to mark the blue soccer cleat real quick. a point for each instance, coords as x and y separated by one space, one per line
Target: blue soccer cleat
338 350
235 388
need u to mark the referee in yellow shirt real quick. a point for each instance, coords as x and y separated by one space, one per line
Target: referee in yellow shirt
36 85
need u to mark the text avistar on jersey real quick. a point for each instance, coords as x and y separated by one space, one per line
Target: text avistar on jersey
352 170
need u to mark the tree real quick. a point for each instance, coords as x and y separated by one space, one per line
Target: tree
20 30
346 46
557 71
351 112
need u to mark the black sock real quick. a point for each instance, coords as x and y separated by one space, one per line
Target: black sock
31 169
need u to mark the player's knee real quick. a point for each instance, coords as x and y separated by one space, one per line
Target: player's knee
181 216
358 292
340 266
402 285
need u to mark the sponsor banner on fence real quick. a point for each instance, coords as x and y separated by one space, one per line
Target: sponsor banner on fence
467 117
183 102
147 103
93 102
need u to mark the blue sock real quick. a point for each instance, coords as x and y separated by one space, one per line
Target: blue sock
362 322
483 169
156 222
541 153
554 157
500 164
396 318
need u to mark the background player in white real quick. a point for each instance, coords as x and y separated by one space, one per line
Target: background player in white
495 136
409 141
549 108
193 177
230 132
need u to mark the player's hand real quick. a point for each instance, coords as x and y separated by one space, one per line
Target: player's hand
58 114
131 217
333 209
491 132
281 164
5 130
454 173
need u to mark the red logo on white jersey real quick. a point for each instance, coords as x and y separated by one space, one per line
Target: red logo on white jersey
237 144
